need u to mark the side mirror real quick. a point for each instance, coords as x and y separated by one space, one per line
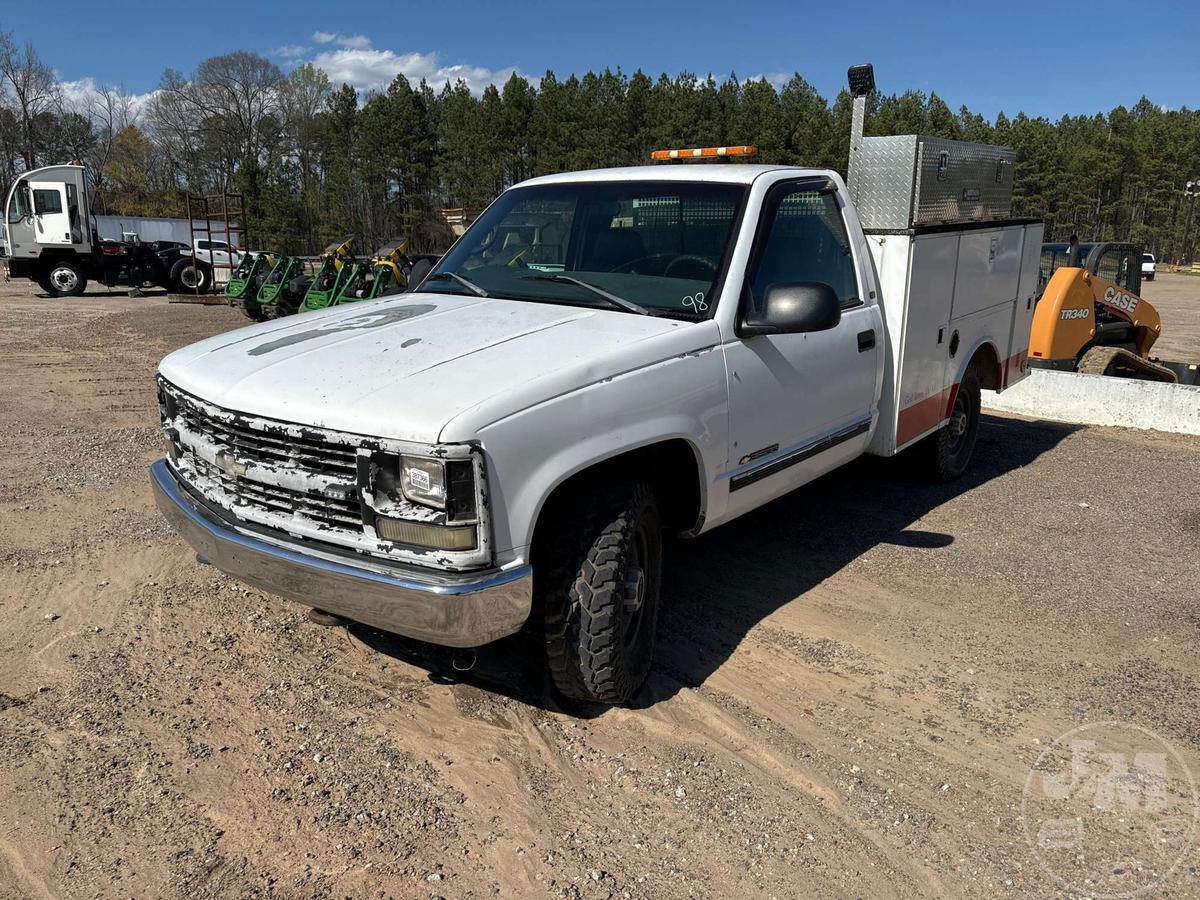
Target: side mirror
794 307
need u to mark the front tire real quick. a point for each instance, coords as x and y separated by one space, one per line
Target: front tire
948 451
189 279
600 594
64 280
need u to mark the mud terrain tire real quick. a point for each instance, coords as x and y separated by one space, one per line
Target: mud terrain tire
600 593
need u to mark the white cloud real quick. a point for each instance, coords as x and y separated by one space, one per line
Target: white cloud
367 69
347 41
345 58
778 79
290 51
81 94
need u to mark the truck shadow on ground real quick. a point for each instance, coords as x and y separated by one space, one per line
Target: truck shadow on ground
718 587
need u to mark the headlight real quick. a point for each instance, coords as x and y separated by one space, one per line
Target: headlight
423 480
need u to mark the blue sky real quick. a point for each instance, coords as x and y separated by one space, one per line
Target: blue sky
1046 58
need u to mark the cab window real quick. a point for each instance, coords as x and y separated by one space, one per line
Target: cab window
46 201
1053 259
805 240
19 209
1117 265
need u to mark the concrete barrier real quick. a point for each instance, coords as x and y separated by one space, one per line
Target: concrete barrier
1101 400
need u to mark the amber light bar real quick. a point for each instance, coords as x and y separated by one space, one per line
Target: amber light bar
702 152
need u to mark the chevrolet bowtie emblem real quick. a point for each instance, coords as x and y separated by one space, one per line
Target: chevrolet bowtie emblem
230 466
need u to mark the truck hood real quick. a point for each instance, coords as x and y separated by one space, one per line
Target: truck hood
403 367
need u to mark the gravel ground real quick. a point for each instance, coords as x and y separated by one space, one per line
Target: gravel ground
854 682
1177 299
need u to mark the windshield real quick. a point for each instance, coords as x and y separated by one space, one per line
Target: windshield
653 247
18 209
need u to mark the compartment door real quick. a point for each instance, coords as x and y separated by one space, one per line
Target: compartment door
1016 365
923 378
989 265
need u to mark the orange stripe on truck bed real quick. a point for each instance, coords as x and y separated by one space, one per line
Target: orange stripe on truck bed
1015 368
918 418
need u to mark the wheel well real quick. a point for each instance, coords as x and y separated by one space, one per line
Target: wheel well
986 364
51 258
671 467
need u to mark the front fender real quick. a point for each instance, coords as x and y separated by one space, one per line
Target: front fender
532 452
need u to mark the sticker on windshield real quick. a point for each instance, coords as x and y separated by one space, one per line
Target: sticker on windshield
696 302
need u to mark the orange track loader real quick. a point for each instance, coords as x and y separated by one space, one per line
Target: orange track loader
1090 318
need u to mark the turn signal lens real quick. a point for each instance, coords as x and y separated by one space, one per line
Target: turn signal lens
421 534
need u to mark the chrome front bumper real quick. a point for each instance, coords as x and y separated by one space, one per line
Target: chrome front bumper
447 608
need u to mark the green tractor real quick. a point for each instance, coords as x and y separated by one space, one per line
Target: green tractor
337 264
244 284
386 273
282 290
268 287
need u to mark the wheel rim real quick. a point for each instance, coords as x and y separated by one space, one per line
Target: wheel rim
64 279
958 424
187 277
635 589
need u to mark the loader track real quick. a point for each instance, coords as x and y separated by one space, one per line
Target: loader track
1121 363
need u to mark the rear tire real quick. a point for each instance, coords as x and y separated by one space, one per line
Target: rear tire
63 280
602 561
187 279
948 451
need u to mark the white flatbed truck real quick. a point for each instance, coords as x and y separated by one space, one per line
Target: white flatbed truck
602 357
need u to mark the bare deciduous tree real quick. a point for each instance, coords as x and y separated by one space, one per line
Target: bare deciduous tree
228 112
34 91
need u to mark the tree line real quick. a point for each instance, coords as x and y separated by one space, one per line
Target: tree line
318 162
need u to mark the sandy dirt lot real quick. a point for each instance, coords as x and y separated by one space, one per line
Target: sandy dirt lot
1177 299
852 688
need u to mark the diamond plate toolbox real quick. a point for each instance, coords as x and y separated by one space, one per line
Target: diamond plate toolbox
910 180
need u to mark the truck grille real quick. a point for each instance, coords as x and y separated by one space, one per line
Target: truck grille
335 512
311 454
310 482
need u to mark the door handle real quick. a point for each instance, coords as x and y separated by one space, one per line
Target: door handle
866 340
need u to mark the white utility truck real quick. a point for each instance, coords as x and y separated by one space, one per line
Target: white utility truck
602 357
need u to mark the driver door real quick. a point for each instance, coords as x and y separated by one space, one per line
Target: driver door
801 404
51 219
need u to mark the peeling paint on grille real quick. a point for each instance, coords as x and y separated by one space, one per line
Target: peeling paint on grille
304 482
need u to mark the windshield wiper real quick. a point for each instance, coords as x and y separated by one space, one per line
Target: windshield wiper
461 279
619 302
